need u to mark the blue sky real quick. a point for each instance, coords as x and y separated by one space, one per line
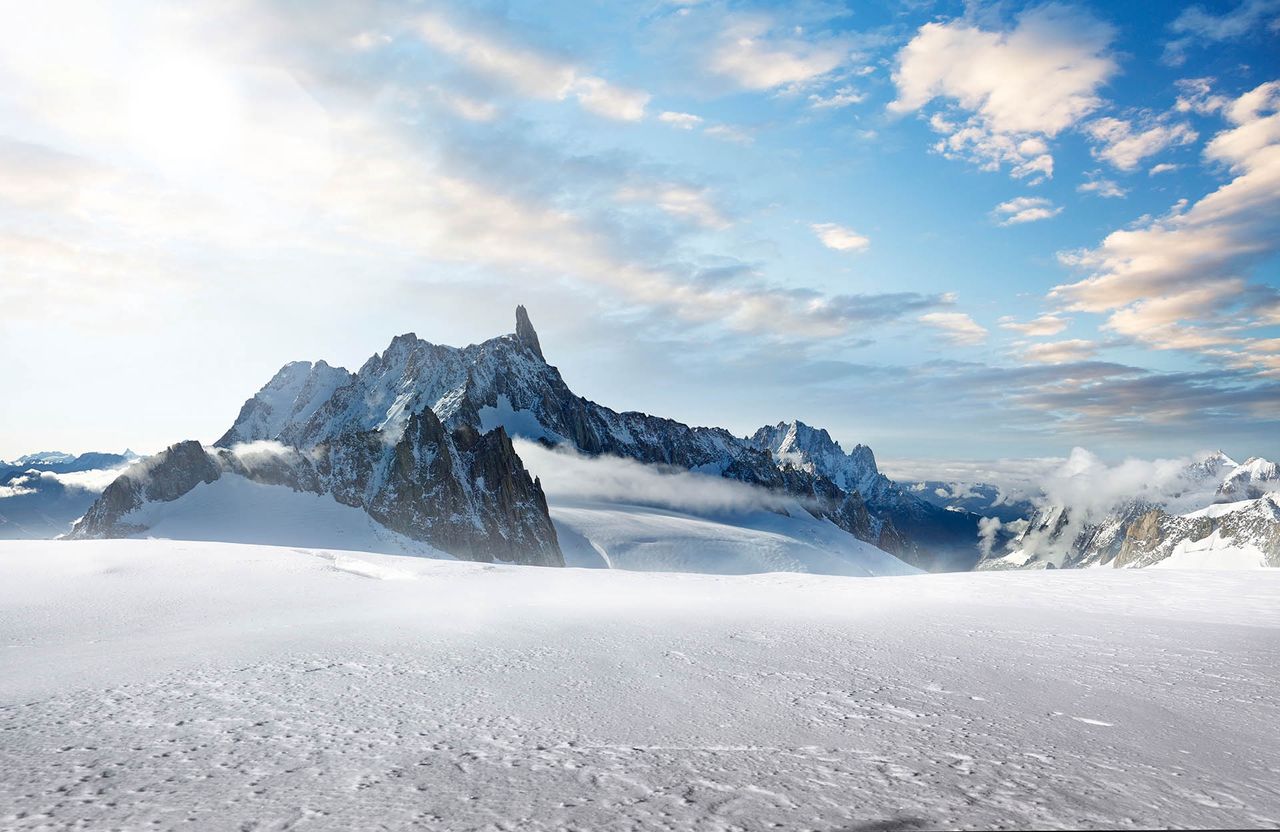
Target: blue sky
948 230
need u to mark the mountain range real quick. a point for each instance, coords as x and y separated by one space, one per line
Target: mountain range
419 438
418 451
1215 512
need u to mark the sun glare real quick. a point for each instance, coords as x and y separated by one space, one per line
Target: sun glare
185 116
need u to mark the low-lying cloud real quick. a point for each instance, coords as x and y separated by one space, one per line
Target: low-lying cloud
568 476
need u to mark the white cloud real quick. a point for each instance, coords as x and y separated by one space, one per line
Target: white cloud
755 57
1196 95
1124 148
684 121
1013 89
839 238
1197 26
1042 326
1175 282
1105 188
843 97
1163 167
1060 352
680 201
568 475
604 99
956 327
530 72
1025 209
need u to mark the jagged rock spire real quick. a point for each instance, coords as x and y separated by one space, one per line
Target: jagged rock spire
525 333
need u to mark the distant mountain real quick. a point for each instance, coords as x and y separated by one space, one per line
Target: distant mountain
976 498
936 537
1253 478
42 494
1220 514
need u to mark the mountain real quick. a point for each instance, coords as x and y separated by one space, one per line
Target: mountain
981 499
1219 513
42 494
506 383
938 538
1252 479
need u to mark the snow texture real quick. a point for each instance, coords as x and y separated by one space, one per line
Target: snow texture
151 684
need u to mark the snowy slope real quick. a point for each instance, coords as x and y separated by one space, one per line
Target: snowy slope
644 538
148 684
233 509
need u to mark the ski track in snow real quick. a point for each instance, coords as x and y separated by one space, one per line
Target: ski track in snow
158 684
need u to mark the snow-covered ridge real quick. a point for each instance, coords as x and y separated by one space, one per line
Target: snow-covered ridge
1226 513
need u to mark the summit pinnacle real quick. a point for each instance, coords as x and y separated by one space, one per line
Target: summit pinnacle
525 333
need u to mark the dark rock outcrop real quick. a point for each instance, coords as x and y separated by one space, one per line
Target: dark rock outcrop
163 478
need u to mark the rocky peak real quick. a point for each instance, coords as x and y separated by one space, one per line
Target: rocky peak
525 333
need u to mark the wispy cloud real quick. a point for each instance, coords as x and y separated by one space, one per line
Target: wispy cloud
1025 209
530 72
956 327
754 54
1196 25
839 238
684 121
1042 326
1125 148
1060 352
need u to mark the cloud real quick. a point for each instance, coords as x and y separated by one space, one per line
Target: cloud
1060 352
1196 95
755 56
684 121
1197 26
1105 188
1025 209
1163 167
1044 325
1016 479
843 97
1175 282
729 133
528 71
1124 148
1008 91
839 238
680 201
956 327
988 528
568 475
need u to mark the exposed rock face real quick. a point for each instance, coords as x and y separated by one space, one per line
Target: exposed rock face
1157 535
163 478
525 334
928 536
462 492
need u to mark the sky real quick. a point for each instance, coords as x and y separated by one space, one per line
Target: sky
952 231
